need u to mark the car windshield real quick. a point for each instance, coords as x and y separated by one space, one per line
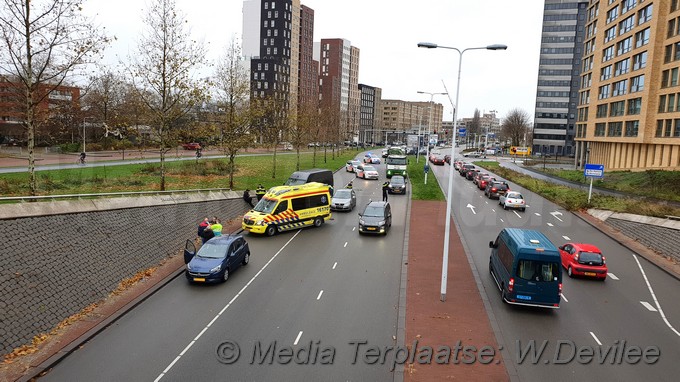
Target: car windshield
398 180
538 270
265 205
374 211
369 168
343 194
590 257
212 250
515 195
397 161
356 163
294 182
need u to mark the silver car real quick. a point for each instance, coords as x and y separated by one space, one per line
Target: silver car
344 199
512 199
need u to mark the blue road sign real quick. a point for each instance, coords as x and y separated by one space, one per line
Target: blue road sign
462 131
594 170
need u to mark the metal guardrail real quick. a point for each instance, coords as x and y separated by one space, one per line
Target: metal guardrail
107 194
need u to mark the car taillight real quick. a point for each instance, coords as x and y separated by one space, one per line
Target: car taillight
560 287
521 202
493 189
511 285
604 261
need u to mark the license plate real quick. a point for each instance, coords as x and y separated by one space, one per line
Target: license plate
199 279
370 228
590 274
522 297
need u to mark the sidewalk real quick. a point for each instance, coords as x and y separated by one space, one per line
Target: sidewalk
462 318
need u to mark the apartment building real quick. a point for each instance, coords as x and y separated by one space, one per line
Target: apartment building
399 118
558 76
308 88
368 110
629 101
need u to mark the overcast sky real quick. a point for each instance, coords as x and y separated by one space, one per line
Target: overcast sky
387 33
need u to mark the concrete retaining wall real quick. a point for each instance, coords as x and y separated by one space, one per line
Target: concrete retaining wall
59 257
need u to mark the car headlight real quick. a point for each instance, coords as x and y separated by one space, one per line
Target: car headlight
362 222
261 222
189 266
381 224
216 269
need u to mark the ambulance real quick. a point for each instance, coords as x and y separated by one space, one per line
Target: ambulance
285 208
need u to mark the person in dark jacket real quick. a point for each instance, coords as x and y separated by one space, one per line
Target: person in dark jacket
207 234
203 225
248 199
385 186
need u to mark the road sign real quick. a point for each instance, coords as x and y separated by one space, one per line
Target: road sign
462 131
594 170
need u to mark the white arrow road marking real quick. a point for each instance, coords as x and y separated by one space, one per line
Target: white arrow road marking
493 210
471 207
502 221
550 224
319 296
297 339
591 333
353 228
648 306
537 214
656 302
486 202
518 215
566 238
555 213
613 276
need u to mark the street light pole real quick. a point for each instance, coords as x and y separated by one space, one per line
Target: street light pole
429 123
447 232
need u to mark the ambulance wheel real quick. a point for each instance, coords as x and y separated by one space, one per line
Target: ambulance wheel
318 221
271 230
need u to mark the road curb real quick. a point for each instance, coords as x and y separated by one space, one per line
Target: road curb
398 375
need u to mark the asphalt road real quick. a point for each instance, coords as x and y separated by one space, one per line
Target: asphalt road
591 312
325 289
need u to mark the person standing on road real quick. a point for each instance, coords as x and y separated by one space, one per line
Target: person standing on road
202 226
384 190
247 198
216 226
260 191
207 234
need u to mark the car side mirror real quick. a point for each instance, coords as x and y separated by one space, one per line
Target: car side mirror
360 214
561 247
491 244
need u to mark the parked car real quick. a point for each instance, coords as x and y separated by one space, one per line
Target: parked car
397 185
512 199
365 171
216 259
344 199
583 260
496 189
376 218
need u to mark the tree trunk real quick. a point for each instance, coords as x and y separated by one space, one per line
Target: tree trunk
231 170
297 165
274 164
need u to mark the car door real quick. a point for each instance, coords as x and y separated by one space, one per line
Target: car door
388 215
230 258
353 202
239 252
565 254
360 171
189 251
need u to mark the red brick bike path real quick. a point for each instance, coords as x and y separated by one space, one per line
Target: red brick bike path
461 317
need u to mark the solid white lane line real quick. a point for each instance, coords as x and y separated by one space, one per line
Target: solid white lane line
591 333
518 215
564 298
613 276
335 265
537 214
656 302
648 306
225 308
566 238
550 224
297 338
345 246
319 296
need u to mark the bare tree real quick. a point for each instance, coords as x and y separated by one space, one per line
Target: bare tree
44 42
306 127
276 122
515 126
163 72
235 115
475 126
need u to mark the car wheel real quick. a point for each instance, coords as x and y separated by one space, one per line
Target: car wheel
522 209
569 272
318 221
505 207
226 275
271 230
246 258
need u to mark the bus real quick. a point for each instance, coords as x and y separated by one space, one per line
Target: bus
396 165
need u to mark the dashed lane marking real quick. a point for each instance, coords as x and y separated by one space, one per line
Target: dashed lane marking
613 276
297 339
648 306
319 296
591 333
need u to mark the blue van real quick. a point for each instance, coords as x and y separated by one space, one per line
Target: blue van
526 268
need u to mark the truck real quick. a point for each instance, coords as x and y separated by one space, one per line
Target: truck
396 165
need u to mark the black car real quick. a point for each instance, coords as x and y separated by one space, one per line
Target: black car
465 168
216 259
397 185
376 218
496 189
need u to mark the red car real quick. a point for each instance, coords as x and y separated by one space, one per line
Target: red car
583 260
481 183
437 159
191 146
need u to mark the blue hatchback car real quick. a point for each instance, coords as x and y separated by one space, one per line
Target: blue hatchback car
216 259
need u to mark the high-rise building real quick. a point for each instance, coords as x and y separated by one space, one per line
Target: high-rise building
308 93
629 102
370 101
558 76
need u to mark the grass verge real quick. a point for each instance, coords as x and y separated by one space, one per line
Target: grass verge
419 190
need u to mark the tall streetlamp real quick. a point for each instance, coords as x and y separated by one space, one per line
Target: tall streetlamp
429 123
445 257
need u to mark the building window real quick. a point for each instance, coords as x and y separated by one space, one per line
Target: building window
610 34
634 105
602 111
617 109
626 25
667 130
659 128
671 28
614 129
671 103
640 60
642 38
608 53
612 14
627 5
619 88
603 92
585 97
676 128
645 14
632 128
668 54
624 46
599 129
606 73
637 84
674 5
586 80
